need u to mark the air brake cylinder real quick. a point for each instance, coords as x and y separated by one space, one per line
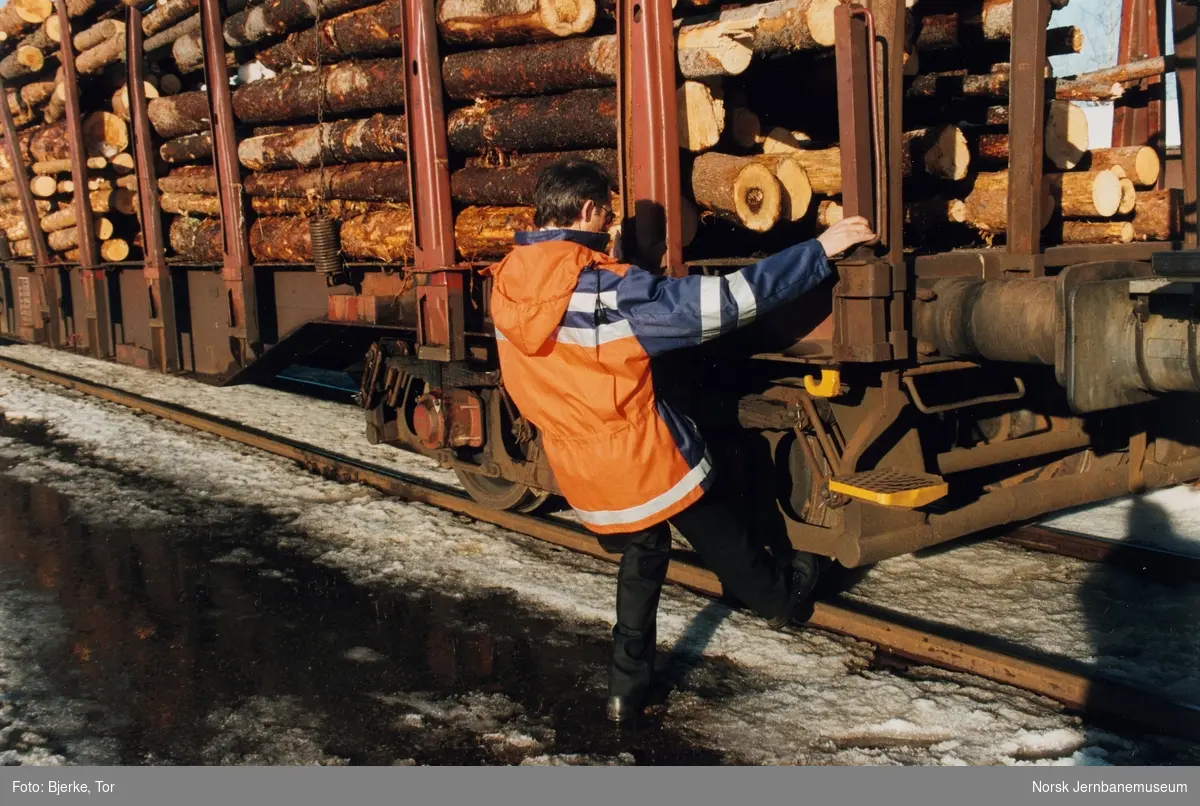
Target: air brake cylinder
1116 333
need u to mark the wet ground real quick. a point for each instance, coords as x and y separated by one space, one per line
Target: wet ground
211 649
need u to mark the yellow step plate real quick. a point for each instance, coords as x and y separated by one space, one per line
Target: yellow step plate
891 488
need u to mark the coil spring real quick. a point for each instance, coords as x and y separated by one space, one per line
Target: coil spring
326 247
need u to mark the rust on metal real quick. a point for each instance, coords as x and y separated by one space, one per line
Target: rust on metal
650 140
1026 115
1075 688
1185 18
854 54
236 270
1138 117
159 284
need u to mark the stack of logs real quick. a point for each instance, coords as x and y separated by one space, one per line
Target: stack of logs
37 101
350 168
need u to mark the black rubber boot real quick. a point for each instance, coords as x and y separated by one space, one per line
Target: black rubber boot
804 572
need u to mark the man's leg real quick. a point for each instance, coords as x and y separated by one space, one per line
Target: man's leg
639 584
747 571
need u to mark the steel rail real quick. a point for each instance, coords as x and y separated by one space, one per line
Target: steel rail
1162 563
1067 682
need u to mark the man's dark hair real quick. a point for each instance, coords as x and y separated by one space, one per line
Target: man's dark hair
564 186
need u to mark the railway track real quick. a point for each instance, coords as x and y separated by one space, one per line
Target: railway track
1070 683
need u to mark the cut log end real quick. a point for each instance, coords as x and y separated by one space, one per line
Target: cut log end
1066 134
701 116
819 16
758 198
1107 193
1128 197
567 17
43 186
105 135
114 250
948 157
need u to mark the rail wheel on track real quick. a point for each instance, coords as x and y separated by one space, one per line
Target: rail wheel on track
501 493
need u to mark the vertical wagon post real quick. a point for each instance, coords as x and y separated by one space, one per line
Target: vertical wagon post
157 276
1026 116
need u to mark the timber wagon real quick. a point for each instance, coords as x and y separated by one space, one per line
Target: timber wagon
228 189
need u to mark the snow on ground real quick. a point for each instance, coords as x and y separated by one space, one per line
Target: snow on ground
756 696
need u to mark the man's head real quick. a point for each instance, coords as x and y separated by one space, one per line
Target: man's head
573 194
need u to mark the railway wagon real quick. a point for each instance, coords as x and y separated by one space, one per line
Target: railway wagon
324 182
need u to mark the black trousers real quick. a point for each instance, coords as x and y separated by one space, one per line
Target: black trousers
722 539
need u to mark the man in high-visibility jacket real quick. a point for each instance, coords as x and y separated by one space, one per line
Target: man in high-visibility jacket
576 330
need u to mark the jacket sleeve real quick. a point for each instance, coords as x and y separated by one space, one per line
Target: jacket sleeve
667 313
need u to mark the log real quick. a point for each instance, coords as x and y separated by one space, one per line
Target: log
348 87
185 113
50 143
21 247
59 219
98 34
501 22
63 239
1086 194
36 93
700 113
277 17
53 29
56 107
1065 138
371 31
114 250
380 234
111 51
829 212
793 182
43 186
1158 215
955 30
15 229
117 200
577 119
340 209
190 26
54 167
66 187
495 158
787 26
281 240
187 49
197 240
120 99
169 84
128 182
18 17
12 207
28 58
1097 232
166 13
362 181
738 189
986 206
486 233
190 179
1140 163
188 148
105 135
190 204
513 184
956 84
925 216
377 138
1128 191
940 151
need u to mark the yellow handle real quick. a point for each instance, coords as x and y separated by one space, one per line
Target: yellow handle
830 384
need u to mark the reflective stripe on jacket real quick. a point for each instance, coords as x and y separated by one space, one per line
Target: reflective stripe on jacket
575 333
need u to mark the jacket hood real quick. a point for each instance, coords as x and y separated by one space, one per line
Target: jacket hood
532 286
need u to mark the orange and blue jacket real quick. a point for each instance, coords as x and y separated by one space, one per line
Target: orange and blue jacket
575 333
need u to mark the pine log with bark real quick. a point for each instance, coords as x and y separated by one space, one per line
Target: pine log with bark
370 31
380 235
1097 232
1140 163
1086 194
177 115
1159 215
281 240
98 34
197 240
959 30
513 183
503 22
190 204
167 13
50 143
63 239
110 51
738 189
340 209
960 84
939 151
375 139
986 206
53 167
578 119
56 107
29 57
348 87
486 233
19 17
189 179
924 216
1065 137
274 18
185 29
787 26
20 247
362 181
188 148
35 93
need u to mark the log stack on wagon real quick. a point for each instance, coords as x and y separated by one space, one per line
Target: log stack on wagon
319 108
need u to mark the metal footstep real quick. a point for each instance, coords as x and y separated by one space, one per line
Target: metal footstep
891 488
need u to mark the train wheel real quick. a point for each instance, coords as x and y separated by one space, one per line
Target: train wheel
501 493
